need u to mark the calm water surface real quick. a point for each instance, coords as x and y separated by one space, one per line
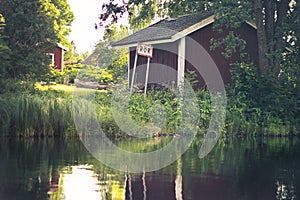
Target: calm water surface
235 169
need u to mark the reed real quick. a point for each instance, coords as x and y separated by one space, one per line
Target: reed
36 115
52 113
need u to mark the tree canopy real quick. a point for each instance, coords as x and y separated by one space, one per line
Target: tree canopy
111 59
4 49
31 27
277 22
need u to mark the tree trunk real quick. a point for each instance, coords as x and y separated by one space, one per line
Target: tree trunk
269 25
261 37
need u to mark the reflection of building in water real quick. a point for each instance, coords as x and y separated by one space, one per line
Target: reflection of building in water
83 183
155 187
54 184
178 180
178 185
128 187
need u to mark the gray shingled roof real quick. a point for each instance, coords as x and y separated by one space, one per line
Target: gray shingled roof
163 29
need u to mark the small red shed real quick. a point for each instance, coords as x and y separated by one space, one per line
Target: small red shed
183 44
57 56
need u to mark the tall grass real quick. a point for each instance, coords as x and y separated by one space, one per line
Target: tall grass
51 114
38 115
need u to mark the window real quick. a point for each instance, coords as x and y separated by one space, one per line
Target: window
51 56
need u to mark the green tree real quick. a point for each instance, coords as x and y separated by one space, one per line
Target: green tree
4 49
28 32
60 14
112 59
174 8
63 21
32 27
140 13
72 56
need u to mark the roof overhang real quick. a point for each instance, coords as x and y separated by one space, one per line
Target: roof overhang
62 47
180 34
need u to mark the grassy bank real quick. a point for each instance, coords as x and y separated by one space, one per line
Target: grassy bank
50 113
41 114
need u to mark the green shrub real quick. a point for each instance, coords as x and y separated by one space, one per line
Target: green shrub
260 104
82 72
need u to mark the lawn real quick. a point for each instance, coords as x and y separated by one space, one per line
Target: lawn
59 87
63 87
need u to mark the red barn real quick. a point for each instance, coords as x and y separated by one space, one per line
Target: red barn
57 56
184 44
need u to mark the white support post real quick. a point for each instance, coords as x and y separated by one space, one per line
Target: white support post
62 60
133 73
147 75
128 69
144 186
181 63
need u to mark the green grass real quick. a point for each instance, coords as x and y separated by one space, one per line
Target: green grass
36 115
57 87
48 112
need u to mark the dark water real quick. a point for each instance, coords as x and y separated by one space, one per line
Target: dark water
235 169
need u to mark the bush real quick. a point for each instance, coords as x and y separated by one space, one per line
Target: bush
260 104
82 72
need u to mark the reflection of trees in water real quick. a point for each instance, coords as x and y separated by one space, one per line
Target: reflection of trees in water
245 168
129 185
285 191
236 168
144 186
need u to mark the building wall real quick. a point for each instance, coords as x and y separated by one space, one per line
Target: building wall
203 37
58 58
250 35
164 63
163 67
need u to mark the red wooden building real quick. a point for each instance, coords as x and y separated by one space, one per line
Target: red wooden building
183 44
57 56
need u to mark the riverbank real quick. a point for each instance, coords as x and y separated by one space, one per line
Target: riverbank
50 113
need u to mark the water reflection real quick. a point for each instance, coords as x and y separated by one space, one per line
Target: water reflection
235 169
81 182
78 182
285 191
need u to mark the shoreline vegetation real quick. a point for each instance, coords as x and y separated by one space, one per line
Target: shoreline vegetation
47 111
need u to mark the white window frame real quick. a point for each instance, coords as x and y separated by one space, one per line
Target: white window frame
52 59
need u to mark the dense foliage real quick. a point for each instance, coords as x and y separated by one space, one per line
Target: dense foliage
50 113
113 60
261 105
262 99
27 32
28 29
